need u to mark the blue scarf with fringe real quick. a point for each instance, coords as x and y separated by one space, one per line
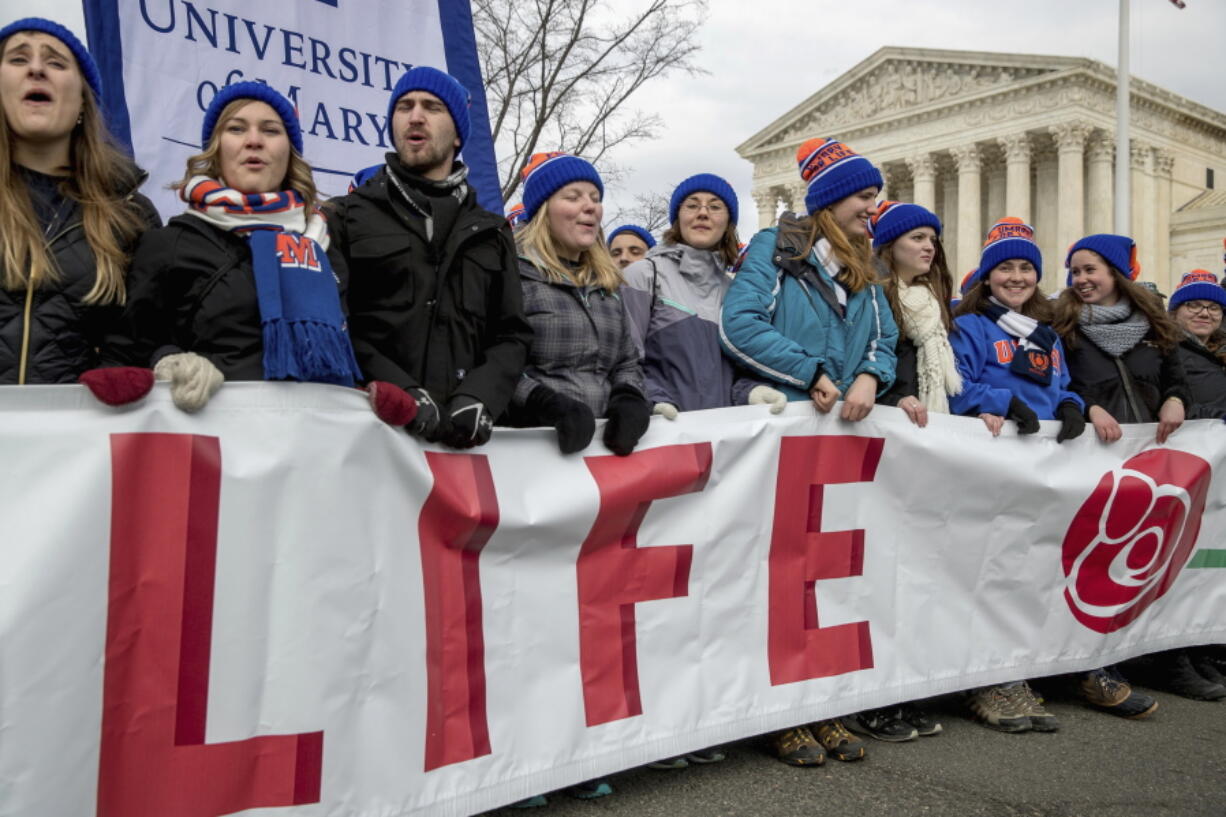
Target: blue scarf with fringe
304 329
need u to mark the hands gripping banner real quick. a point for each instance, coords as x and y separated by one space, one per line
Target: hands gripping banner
336 60
282 604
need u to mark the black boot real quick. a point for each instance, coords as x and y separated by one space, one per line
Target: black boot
1176 673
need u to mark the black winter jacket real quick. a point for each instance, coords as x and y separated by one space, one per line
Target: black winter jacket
447 318
56 334
1206 375
192 289
1132 387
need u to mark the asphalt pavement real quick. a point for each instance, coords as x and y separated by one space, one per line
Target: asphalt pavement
1097 765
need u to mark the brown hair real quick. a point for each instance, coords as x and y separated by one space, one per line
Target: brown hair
101 180
1037 306
854 253
938 279
208 162
1162 327
596 266
729 246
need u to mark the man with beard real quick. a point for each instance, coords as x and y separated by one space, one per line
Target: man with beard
434 296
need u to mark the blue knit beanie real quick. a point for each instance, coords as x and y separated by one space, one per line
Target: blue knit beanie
1197 285
444 86
1009 238
261 93
1119 251
896 218
635 229
546 173
833 172
89 69
704 183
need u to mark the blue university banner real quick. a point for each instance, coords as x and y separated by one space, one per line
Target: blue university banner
337 60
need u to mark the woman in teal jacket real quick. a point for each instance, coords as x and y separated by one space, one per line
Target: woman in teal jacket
803 311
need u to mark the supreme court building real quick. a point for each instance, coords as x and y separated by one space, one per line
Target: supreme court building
976 136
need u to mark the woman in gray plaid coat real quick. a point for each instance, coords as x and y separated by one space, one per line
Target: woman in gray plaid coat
583 363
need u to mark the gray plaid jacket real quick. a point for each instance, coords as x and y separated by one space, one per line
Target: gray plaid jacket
582 344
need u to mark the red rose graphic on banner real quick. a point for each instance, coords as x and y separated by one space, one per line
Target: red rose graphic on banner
1133 535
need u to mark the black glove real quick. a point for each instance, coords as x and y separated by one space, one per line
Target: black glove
470 425
1072 421
572 419
426 423
1027 420
628 416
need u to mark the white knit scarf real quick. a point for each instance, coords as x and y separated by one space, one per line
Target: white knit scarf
938 373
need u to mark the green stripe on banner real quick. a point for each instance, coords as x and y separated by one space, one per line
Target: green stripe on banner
1208 558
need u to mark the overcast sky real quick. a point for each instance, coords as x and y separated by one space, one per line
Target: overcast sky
766 56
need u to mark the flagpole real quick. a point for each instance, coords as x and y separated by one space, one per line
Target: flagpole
1123 153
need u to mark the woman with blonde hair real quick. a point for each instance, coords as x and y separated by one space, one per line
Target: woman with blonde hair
244 285
583 363
805 314
69 217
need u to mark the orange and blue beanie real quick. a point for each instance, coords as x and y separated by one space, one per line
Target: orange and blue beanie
444 86
261 93
635 230
1119 251
703 183
833 172
1009 238
547 173
89 69
896 218
515 216
1198 285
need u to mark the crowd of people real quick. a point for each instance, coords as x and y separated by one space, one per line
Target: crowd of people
455 321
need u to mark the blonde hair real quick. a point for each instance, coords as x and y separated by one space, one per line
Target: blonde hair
854 253
208 162
595 266
99 180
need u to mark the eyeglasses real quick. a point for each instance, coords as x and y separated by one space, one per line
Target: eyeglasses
714 208
1208 307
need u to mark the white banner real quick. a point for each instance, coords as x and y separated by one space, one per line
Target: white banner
336 60
283 607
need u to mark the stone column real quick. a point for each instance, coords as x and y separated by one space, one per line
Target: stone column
967 159
996 181
1161 273
1142 208
1017 175
924 174
1070 141
798 192
767 203
1046 186
1100 201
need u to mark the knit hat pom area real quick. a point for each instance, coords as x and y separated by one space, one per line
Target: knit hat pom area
895 219
1009 238
442 85
833 171
259 92
1198 285
703 183
1119 251
85 62
547 173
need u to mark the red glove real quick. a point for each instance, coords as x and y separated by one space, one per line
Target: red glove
118 385
392 404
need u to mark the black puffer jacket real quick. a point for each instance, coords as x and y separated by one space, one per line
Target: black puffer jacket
192 289
446 317
1206 373
50 328
1132 387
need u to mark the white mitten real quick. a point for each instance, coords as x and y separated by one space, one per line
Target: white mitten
760 395
666 410
193 379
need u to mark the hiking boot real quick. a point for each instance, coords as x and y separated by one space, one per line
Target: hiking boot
925 724
1177 674
1107 690
882 724
1031 705
590 789
704 756
1208 667
997 710
837 741
798 747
